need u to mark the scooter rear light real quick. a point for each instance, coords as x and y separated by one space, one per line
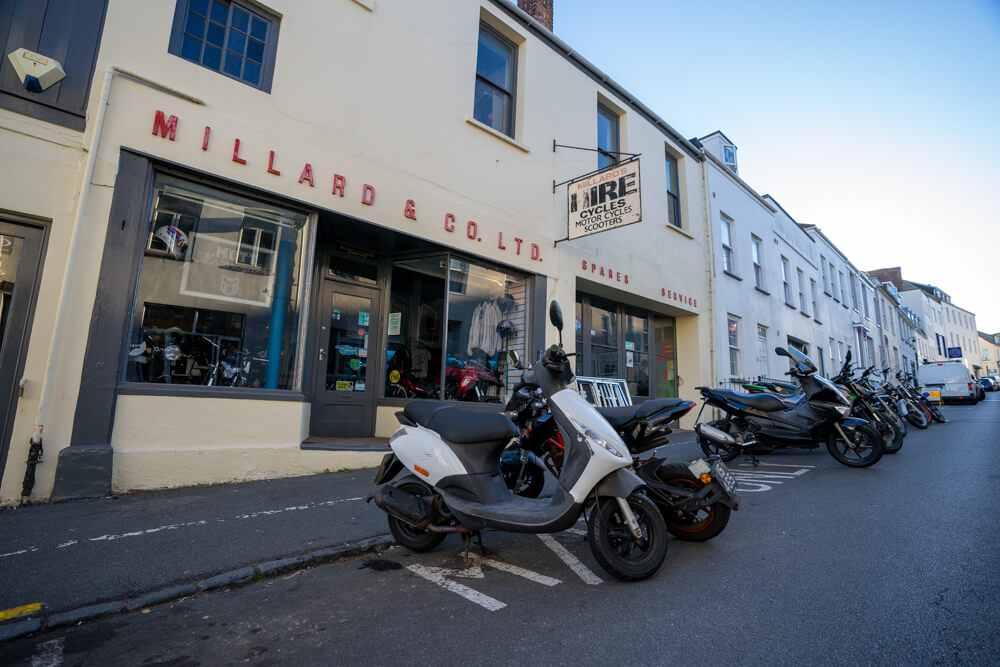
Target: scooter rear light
705 478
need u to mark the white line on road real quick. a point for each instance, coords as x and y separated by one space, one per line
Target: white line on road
49 654
571 561
519 571
108 537
436 575
774 465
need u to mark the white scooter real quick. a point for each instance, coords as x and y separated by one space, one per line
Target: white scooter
455 485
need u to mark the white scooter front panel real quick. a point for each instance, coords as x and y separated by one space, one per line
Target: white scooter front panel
425 453
604 459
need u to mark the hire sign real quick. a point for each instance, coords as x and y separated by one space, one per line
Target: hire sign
606 200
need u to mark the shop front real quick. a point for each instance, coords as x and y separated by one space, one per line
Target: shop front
248 320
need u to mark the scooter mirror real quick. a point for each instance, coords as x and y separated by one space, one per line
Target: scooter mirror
556 316
514 359
781 352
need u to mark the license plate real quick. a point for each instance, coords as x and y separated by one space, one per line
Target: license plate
936 395
721 473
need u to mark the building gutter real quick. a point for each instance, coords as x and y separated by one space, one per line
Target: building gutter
35 449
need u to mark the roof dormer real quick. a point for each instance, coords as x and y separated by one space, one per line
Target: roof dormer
720 146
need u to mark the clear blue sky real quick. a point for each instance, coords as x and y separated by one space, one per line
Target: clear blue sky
878 122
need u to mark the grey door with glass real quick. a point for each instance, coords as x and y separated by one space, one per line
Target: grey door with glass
344 394
20 264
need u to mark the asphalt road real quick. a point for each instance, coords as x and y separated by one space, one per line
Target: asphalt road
823 564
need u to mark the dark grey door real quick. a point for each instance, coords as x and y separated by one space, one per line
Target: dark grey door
344 395
20 263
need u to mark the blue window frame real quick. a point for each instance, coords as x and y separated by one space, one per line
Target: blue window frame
227 37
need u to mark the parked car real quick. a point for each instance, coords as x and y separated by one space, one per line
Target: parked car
989 384
951 379
980 389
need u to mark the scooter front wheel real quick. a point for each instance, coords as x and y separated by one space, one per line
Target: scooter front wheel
614 545
409 536
865 449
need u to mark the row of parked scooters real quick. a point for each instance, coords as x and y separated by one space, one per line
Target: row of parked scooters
453 470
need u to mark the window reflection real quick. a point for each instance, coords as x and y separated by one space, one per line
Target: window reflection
218 294
486 314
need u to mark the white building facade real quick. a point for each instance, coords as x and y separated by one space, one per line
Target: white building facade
265 227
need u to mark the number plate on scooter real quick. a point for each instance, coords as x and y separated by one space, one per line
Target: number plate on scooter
721 473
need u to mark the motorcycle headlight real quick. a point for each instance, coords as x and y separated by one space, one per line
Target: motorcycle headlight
844 410
587 433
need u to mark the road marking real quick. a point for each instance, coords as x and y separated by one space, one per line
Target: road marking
19 552
109 537
49 654
774 465
519 571
437 576
757 480
571 561
23 610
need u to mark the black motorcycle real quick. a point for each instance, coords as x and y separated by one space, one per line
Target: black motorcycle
760 423
870 405
696 498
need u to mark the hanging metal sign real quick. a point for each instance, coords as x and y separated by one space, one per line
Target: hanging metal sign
606 200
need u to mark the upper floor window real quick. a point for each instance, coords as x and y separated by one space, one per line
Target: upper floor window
727 246
815 302
729 156
822 267
801 278
785 281
758 268
495 67
228 37
673 192
608 145
833 283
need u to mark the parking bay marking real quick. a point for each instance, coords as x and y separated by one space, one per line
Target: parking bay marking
758 481
440 575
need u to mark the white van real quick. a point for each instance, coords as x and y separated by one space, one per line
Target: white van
951 378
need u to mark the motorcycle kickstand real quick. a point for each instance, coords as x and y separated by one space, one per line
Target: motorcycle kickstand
467 541
752 458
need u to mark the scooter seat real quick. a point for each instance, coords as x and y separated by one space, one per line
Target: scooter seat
764 402
459 426
621 416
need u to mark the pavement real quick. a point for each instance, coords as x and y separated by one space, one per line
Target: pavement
69 562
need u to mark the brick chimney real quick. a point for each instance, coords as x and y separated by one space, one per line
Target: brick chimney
893 275
540 10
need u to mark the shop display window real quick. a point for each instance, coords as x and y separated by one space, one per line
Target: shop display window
451 323
614 340
219 291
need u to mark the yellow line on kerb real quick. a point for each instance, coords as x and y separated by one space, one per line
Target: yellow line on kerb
24 610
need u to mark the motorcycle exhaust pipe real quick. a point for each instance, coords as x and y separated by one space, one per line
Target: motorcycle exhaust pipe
716 435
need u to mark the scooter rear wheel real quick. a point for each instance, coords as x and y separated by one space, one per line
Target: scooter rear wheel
623 555
409 536
699 526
